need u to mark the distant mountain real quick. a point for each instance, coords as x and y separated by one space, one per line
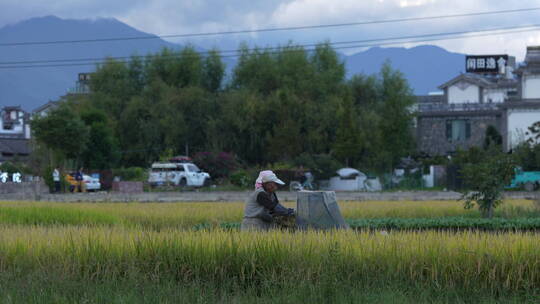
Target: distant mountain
425 67
32 87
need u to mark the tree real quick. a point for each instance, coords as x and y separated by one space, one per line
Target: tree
364 90
396 116
329 71
101 151
191 109
348 143
485 176
493 137
534 133
213 71
62 131
527 153
141 140
283 130
256 71
113 86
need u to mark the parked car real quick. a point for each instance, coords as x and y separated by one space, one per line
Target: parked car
177 174
529 180
90 183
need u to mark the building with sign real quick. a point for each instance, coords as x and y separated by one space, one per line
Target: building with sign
489 64
468 106
493 92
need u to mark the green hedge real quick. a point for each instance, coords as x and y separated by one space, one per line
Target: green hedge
445 223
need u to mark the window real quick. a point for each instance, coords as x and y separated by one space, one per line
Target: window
193 168
458 130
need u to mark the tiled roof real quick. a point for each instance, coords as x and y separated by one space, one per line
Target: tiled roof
471 78
533 54
14 146
12 108
45 106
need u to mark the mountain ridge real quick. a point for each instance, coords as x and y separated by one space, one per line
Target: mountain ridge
425 66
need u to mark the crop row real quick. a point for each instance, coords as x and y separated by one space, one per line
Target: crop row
447 223
466 260
162 215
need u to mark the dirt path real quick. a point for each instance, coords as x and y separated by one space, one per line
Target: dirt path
235 196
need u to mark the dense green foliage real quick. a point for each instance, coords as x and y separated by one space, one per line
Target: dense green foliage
276 105
62 131
130 174
528 153
485 173
456 223
417 224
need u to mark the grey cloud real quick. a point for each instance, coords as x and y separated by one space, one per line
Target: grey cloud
175 17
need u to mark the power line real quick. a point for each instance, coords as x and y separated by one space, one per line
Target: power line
276 29
94 60
351 44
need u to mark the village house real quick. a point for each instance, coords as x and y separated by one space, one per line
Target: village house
14 134
523 110
15 123
492 93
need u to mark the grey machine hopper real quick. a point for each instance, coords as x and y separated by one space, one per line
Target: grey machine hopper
318 210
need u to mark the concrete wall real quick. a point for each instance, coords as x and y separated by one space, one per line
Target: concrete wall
530 86
128 187
458 93
23 191
431 136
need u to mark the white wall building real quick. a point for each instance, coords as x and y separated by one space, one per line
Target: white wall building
14 123
477 89
14 133
488 95
523 111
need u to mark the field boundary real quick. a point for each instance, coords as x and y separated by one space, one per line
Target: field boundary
235 196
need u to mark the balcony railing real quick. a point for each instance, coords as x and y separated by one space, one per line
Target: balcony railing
443 107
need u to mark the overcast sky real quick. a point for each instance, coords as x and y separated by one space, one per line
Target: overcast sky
165 17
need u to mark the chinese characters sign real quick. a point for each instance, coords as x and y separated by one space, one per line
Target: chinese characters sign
486 63
15 177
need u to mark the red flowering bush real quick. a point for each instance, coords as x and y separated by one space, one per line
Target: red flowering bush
218 164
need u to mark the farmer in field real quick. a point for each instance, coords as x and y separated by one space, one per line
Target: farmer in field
262 206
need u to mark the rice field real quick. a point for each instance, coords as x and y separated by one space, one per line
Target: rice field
187 215
142 252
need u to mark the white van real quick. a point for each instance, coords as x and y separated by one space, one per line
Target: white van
178 174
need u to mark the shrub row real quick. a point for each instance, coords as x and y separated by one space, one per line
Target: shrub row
447 223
